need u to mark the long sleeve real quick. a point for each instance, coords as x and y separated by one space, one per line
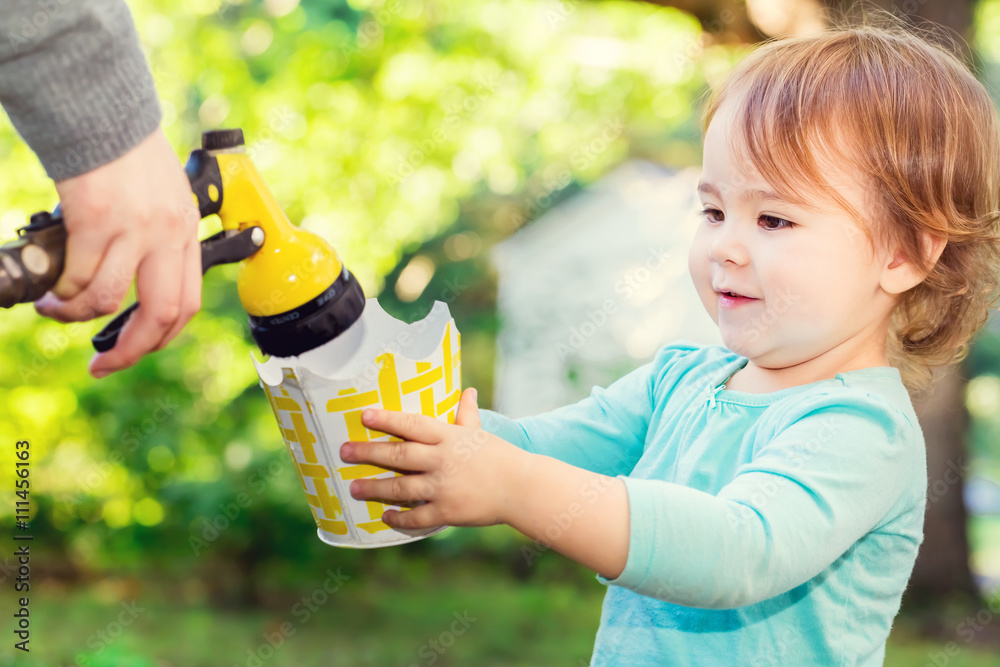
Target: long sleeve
75 83
839 466
604 432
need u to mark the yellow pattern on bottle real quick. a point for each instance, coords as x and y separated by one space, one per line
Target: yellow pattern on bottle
447 359
388 384
323 504
294 423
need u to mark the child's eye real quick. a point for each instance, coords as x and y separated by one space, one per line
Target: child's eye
708 213
781 223
771 223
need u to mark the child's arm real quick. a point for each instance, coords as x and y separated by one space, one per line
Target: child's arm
473 478
581 514
839 466
604 432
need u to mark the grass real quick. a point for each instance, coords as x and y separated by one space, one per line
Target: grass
465 614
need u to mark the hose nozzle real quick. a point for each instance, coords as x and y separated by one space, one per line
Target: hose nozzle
296 291
293 286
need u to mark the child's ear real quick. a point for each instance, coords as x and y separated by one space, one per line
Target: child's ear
901 274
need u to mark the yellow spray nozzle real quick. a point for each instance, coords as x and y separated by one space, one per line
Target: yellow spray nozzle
295 289
293 266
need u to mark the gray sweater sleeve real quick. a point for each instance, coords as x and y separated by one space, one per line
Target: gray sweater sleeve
74 81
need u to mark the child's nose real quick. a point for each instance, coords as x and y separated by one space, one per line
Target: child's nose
727 245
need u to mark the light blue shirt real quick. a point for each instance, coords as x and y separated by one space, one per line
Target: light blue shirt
764 529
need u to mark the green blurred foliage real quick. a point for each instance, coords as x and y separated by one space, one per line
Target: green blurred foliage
982 399
411 135
396 130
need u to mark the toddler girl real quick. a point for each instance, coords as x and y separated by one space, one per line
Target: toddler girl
762 503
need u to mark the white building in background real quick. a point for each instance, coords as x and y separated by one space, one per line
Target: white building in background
591 289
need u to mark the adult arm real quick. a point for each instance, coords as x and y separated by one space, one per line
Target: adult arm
74 81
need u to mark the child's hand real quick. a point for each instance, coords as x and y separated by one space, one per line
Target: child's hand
467 472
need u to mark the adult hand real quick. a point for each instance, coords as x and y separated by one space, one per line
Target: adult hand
133 217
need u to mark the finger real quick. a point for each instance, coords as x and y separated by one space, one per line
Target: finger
409 504
84 253
406 425
425 516
103 295
190 292
468 411
159 307
394 489
391 454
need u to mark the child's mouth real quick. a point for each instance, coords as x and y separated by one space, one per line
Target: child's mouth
733 300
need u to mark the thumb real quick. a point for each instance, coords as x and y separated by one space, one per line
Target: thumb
468 411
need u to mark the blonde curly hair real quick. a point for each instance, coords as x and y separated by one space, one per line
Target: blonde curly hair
922 133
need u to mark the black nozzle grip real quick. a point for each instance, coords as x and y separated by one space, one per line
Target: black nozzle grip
108 336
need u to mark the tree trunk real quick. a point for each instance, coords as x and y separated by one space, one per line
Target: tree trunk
942 566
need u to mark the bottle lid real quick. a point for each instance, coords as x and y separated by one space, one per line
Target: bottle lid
215 140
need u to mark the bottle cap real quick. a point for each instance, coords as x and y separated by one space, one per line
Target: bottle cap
215 140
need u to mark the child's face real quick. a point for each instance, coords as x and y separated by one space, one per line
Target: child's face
815 284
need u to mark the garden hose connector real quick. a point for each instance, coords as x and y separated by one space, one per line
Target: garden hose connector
32 263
